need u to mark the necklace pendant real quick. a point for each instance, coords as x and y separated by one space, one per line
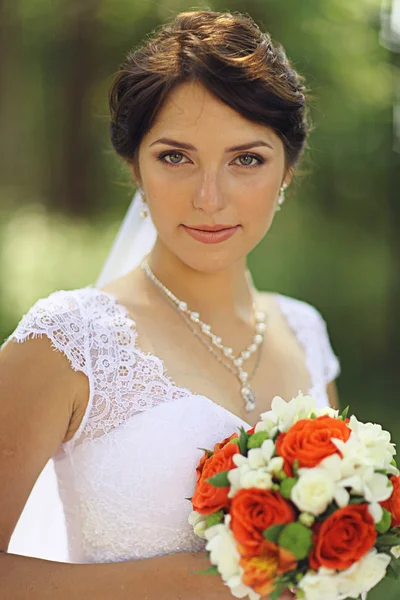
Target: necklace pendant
249 397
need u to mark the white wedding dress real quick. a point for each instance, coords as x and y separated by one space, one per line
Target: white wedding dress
124 476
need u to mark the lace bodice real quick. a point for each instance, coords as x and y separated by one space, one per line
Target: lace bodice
124 476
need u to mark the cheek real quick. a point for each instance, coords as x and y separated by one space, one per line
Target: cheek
258 213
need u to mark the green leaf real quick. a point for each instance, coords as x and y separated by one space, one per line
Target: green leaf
356 500
272 533
296 466
256 440
277 592
393 462
244 436
384 524
219 479
296 538
210 571
209 452
215 518
390 572
287 486
344 414
234 441
388 540
395 566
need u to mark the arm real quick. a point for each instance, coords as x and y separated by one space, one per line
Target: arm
333 397
39 396
169 577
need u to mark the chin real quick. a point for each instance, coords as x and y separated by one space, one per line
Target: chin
211 262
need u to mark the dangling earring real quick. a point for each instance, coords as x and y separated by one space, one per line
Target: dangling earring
144 212
281 197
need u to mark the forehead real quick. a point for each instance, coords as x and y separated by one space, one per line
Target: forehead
191 110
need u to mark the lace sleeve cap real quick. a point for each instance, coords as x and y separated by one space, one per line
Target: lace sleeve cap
57 316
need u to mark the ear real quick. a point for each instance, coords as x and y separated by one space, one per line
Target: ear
135 175
288 177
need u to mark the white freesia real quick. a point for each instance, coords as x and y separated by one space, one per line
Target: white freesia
318 586
284 414
376 511
239 460
235 478
375 487
354 453
363 575
259 457
200 528
306 519
240 590
224 555
395 550
269 423
256 479
222 547
255 470
244 477
380 450
195 518
267 450
255 458
327 411
275 465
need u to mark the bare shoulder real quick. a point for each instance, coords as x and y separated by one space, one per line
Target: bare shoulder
269 303
39 397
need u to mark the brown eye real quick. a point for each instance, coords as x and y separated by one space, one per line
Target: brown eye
248 158
173 155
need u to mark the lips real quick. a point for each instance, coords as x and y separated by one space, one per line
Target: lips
211 234
212 227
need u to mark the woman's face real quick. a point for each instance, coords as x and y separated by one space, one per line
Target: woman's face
197 179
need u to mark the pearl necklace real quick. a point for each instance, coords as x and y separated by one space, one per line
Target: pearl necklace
237 361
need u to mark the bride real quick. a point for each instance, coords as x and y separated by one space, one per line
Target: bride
121 383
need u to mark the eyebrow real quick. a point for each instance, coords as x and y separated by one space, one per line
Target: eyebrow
186 146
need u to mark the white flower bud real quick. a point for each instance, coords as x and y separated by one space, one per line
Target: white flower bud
306 519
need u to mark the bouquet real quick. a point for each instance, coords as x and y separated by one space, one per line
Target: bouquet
307 500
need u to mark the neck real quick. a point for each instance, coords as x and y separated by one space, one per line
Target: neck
223 293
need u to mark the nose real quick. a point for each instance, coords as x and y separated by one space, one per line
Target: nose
209 197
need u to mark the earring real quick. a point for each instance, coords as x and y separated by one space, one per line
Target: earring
281 197
144 212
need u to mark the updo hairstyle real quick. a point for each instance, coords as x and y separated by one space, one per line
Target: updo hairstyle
230 56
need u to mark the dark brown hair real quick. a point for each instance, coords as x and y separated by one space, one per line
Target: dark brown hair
230 56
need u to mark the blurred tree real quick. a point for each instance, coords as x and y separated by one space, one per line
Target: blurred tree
72 189
390 39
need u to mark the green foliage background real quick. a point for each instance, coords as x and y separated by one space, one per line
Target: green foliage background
63 192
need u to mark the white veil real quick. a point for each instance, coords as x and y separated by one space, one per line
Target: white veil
41 530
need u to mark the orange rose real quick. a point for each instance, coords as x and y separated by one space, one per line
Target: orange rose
208 498
309 441
217 448
392 504
343 538
253 510
261 571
